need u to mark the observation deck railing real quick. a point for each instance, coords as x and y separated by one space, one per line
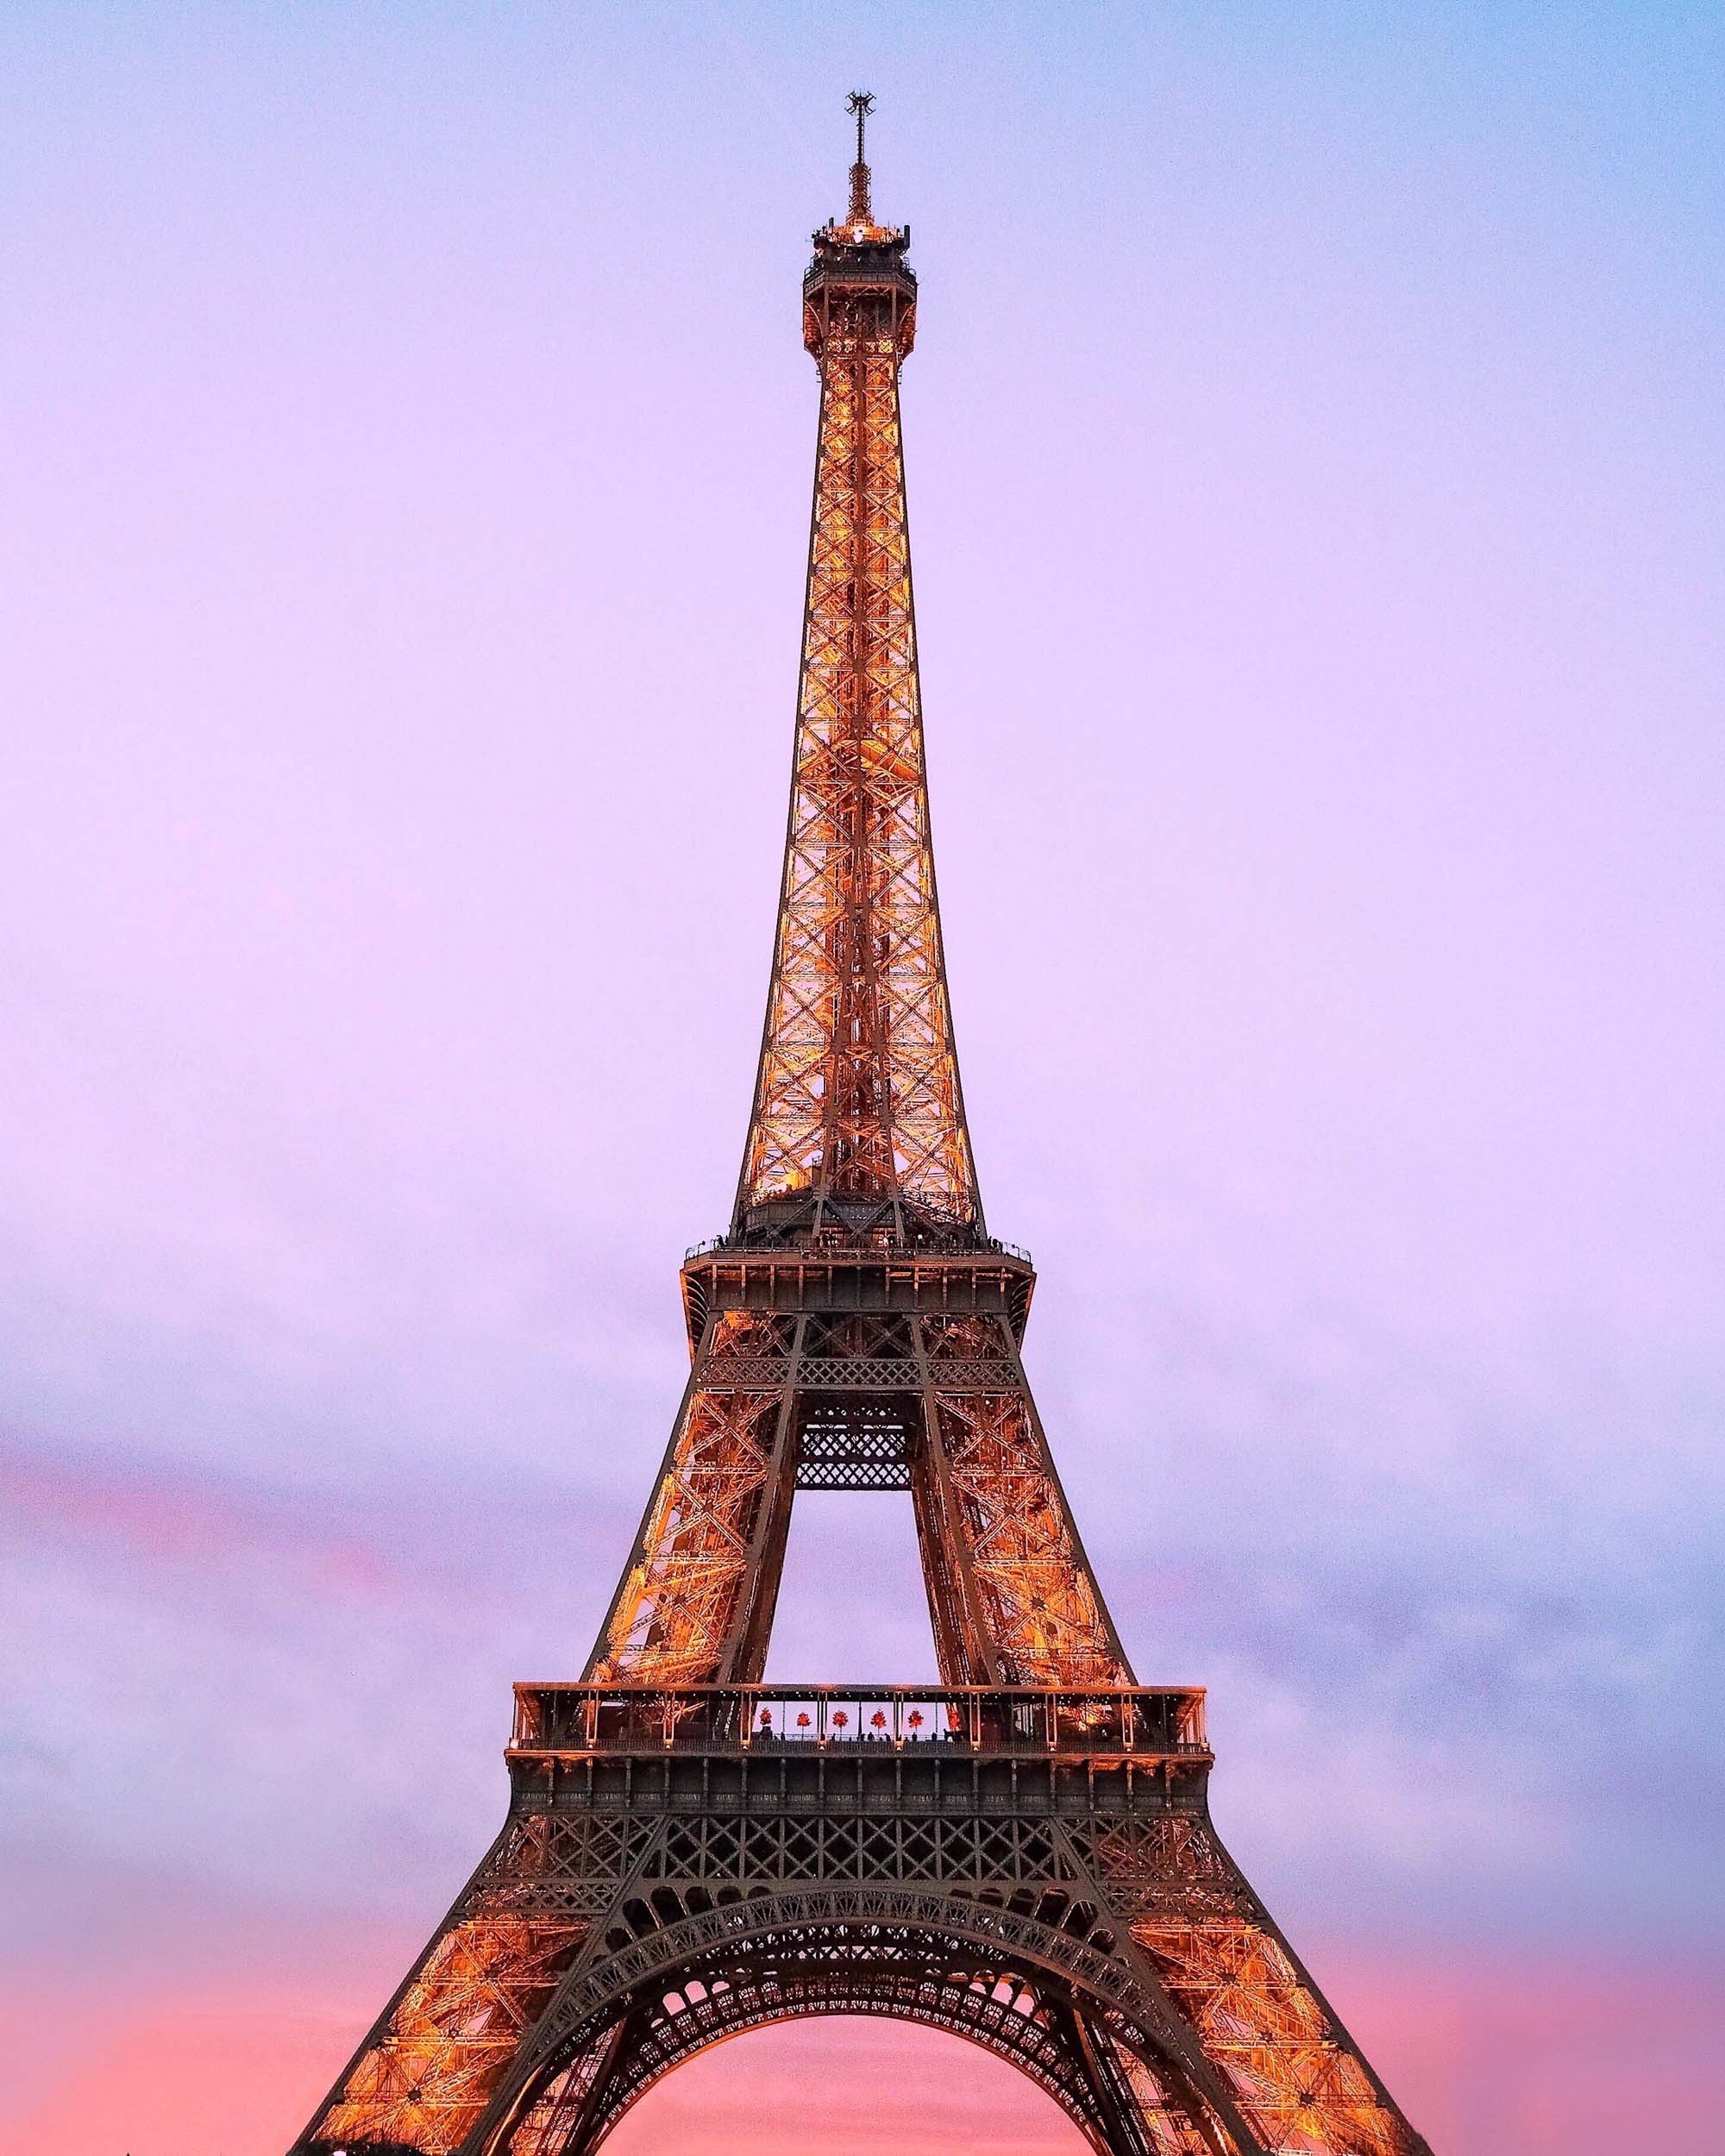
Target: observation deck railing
859 1721
840 1242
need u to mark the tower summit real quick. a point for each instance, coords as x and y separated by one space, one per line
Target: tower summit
1021 1854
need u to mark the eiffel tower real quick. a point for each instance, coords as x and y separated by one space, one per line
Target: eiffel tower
1021 1854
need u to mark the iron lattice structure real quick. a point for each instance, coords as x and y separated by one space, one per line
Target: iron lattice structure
1022 1855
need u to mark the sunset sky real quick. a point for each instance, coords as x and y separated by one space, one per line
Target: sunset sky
1315 465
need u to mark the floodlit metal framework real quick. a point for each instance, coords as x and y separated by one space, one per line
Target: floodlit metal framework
1021 1855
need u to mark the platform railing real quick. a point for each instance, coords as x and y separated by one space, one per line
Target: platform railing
858 1719
844 1242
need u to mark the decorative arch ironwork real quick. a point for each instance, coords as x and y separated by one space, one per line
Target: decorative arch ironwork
1006 2018
1056 2000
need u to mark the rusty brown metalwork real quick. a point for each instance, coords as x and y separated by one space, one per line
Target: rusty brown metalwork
1021 1855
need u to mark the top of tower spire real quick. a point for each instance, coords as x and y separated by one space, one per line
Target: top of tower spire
862 102
855 241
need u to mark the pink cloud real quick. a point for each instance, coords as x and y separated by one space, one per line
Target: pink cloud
173 1516
1528 2056
195 2077
1524 2059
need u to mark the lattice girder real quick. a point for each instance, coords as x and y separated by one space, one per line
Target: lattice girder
422 2082
1259 2019
423 2075
857 1094
857 1399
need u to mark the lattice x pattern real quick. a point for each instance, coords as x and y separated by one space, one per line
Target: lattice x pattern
858 1091
690 1580
423 2081
1041 1612
1300 2083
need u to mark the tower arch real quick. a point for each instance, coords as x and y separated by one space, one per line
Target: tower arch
1043 1999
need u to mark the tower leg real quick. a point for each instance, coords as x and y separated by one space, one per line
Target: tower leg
695 1601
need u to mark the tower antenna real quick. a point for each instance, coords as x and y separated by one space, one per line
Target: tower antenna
862 102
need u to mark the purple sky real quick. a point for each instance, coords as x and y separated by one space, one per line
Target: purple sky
1315 462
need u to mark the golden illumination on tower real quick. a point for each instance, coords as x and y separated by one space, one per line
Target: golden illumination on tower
1021 1854
857 1096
